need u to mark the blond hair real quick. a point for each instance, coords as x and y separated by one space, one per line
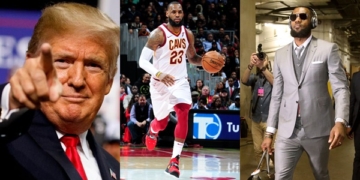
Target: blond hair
64 18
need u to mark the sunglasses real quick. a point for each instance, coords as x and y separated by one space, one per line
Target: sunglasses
302 16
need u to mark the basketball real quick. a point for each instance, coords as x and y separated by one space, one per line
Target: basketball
212 62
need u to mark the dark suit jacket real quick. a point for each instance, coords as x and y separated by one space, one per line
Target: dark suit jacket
354 116
235 92
30 149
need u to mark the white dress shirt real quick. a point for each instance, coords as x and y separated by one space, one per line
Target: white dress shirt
87 158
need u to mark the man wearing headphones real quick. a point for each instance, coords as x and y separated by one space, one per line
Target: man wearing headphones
300 107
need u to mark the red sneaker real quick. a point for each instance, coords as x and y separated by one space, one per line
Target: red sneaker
173 167
150 140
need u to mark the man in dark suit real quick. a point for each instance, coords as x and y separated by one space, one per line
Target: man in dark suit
50 103
354 121
232 90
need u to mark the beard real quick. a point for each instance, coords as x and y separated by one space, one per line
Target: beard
174 24
302 33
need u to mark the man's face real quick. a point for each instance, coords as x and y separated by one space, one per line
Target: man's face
175 14
201 31
224 50
134 89
231 82
210 37
137 19
142 101
218 102
205 91
143 28
122 90
82 67
221 31
146 78
233 75
133 8
122 79
199 83
301 27
237 102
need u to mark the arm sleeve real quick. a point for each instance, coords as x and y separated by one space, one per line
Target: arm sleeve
144 61
5 112
132 114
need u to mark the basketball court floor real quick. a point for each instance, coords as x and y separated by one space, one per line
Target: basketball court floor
137 163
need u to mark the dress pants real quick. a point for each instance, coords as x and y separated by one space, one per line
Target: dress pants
137 132
289 150
258 132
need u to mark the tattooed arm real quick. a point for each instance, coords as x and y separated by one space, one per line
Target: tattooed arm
156 39
191 52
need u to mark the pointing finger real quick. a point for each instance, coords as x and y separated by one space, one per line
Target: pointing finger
46 58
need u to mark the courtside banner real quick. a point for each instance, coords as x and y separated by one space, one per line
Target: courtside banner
16 28
216 125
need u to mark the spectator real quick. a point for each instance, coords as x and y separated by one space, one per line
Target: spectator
195 96
199 85
233 91
189 22
139 119
143 31
205 91
143 85
126 101
201 104
208 44
225 98
136 24
236 81
216 104
236 104
132 14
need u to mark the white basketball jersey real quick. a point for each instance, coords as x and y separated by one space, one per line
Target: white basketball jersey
170 57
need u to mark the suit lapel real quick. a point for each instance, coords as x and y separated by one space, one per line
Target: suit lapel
104 168
291 62
309 56
45 136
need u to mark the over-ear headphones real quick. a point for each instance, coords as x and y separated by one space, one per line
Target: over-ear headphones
314 20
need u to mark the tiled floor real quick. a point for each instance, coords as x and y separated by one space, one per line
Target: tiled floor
340 162
137 163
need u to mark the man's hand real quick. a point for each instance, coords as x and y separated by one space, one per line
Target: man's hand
337 135
255 61
349 133
35 82
266 145
138 124
167 79
143 123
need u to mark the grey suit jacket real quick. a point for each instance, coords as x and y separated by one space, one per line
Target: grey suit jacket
322 64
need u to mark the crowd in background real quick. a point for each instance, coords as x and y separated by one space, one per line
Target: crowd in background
215 24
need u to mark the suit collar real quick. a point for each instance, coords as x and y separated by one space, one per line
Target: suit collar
83 142
44 134
309 56
101 159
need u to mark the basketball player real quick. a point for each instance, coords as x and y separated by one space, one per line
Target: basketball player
169 44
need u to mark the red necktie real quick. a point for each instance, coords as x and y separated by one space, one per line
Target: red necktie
230 91
71 141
